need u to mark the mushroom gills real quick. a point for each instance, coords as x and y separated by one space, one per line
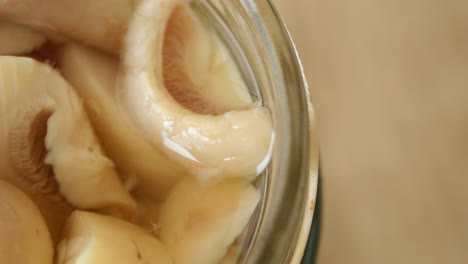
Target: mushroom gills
198 70
27 151
68 160
91 238
223 143
198 223
24 237
17 39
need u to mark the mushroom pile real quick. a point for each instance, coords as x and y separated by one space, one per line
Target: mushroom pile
127 135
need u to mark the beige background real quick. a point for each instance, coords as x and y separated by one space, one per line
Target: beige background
389 80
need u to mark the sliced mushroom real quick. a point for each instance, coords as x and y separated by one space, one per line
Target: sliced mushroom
236 143
91 238
198 223
48 147
98 23
16 39
24 237
93 76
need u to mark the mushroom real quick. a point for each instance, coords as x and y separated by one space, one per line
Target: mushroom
93 75
16 39
23 165
98 23
48 147
91 238
198 70
236 143
198 223
24 237
187 43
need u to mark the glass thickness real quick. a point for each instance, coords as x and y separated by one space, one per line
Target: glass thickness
258 40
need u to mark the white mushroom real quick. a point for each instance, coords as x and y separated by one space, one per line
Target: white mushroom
16 39
93 75
47 144
198 70
24 238
235 143
198 223
97 239
99 23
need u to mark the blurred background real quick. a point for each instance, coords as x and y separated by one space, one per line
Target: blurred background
389 80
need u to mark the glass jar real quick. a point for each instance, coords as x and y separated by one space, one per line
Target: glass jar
260 43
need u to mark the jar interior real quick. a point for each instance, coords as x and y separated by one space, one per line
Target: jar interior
260 45
214 20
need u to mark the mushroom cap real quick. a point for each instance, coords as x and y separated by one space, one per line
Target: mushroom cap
198 70
93 238
100 23
200 222
48 147
236 143
93 75
24 237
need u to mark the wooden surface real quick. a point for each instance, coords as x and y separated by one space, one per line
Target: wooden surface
389 81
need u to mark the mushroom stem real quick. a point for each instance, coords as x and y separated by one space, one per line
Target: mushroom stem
93 74
16 39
